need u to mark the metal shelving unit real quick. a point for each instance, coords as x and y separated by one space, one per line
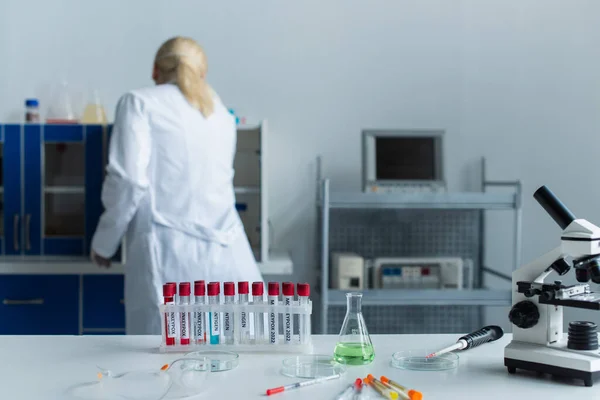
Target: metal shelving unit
476 202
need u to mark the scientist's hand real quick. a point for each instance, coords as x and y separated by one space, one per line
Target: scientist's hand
99 260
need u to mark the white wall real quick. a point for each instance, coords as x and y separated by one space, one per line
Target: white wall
514 81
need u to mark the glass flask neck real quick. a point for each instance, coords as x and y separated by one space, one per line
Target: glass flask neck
354 302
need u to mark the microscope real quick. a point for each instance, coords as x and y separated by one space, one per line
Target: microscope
538 342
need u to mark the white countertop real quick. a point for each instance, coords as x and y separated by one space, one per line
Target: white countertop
278 264
45 367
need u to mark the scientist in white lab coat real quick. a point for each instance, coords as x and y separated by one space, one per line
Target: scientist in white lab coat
169 187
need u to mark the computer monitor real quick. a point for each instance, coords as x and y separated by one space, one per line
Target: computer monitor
402 160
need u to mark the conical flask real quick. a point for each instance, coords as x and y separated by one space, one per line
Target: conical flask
354 345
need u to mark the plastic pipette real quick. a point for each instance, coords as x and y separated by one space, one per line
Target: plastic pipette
411 393
299 385
474 339
357 388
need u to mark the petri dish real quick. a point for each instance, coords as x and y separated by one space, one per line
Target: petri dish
311 366
416 360
219 360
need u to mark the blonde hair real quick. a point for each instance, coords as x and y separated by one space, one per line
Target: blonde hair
182 61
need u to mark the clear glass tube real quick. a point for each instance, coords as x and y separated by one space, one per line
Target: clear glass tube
354 345
228 322
199 323
259 321
244 321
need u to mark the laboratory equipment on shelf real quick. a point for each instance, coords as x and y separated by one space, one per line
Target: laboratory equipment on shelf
474 339
214 324
403 161
347 271
421 273
94 111
60 108
32 111
538 343
354 345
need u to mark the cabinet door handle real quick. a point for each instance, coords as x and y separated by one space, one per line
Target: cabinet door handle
16 232
27 232
28 302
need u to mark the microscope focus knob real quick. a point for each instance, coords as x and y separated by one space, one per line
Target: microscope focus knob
524 314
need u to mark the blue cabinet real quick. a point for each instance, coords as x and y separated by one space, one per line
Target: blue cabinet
51 184
39 304
103 304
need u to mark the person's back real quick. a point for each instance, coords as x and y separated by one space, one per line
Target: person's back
169 187
189 153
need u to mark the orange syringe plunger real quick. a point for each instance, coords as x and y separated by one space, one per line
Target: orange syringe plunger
413 394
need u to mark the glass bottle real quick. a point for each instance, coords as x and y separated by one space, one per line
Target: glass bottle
354 345
94 111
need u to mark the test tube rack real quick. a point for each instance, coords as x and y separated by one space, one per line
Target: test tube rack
300 341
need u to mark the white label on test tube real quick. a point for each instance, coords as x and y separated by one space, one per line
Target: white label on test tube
244 318
229 291
172 324
259 317
288 318
273 317
213 298
199 317
303 293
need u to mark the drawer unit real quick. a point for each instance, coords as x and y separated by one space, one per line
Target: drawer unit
103 304
39 304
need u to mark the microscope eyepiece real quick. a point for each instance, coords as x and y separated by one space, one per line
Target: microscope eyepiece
554 207
582 275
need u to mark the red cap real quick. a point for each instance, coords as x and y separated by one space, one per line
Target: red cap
243 287
214 289
169 289
288 288
273 288
303 289
185 289
258 289
229 288
199 288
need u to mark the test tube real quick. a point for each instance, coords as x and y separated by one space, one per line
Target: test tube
259 320
199 317
214 290
303 290
184 316
288 319
169 291
229 291
244 322
273 316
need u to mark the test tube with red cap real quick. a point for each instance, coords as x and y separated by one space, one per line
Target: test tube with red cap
169 292
244 320
184 316
229 291
214 290
288 318
303 290
273 316
199 317
259 317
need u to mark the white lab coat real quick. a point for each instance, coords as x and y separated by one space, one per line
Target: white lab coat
169 191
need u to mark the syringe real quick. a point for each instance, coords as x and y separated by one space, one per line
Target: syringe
474 339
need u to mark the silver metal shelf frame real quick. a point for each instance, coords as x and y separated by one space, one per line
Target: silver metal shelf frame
481 201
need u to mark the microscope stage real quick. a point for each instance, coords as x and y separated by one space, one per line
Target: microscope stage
555 359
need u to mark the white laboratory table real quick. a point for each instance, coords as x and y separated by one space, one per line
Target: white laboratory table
45 367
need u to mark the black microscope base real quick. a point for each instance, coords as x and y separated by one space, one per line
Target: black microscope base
588 377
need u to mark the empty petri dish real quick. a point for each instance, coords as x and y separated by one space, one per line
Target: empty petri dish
219 360
417 360
312 366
